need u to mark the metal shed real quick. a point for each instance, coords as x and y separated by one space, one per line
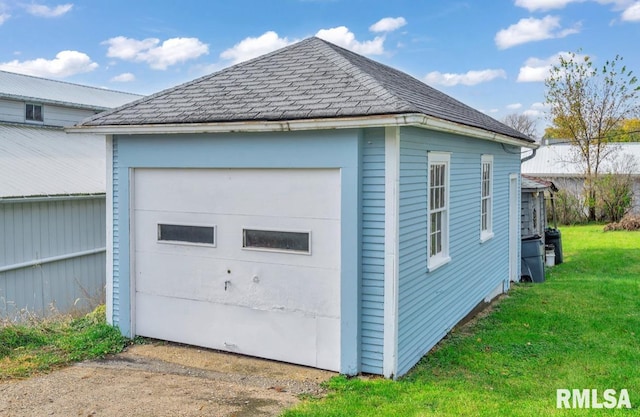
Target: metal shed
534 213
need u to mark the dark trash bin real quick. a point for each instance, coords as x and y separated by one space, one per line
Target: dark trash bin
532 262
554 237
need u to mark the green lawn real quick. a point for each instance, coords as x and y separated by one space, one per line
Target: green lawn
578 330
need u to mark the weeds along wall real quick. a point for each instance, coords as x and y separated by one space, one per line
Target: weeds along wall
52 255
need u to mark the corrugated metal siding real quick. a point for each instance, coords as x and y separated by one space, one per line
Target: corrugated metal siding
431 303
553 161
38 161
13 111
64 116
40 230
372 292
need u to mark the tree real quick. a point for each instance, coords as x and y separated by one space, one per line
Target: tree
615 188
587 105
522 123
629 131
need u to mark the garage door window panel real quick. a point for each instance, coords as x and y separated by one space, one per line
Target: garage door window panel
277 240
187 234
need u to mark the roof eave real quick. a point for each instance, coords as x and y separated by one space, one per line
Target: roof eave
40 198
40 100
406 119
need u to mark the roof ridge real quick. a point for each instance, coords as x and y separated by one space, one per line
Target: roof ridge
341 55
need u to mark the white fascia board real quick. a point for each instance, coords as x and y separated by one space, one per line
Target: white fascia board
410 119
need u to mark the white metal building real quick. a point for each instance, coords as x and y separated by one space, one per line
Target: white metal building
52 201
557 163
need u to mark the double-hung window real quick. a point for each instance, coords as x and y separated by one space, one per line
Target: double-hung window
438 181
486 199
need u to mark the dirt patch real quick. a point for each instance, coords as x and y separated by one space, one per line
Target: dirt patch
164 380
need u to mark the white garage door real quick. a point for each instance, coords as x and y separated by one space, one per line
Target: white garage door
241 260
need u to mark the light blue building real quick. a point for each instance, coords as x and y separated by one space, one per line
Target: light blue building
311 206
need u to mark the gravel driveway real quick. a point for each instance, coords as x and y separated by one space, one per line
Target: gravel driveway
163 380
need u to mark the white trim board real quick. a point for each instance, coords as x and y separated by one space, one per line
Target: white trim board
391 249
410 119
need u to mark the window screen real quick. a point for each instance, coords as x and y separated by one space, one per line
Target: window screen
272 239
189 234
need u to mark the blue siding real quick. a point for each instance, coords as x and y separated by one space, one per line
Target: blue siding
321 149
431 303
372 290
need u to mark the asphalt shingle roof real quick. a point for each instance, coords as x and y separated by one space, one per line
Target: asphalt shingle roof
312 79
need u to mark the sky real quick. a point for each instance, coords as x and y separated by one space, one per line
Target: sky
490 54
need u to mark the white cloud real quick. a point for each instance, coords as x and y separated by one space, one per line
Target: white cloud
537 70
4 17
630 8
632 13
388 24
158 56
252 47
542 5
514 106
532 29
536 110
42 10
65 64
124 78
128 49
342 36
469 78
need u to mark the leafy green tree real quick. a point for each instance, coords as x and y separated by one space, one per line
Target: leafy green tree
587 106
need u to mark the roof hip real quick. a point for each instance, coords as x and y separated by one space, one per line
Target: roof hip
311 79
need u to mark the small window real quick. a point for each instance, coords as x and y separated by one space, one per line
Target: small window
204 235
276 240
33 112
486 199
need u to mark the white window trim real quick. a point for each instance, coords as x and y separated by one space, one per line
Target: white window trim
442 258
488 233
274 250
33 120
182 242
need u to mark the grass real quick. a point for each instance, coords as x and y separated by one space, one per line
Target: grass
580 329
26 349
